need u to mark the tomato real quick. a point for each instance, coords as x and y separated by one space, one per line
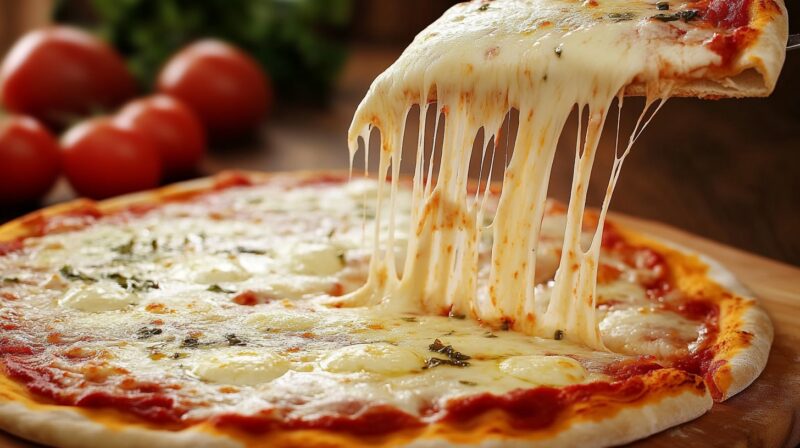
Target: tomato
225 86
172 126
29 160
57 74
103 159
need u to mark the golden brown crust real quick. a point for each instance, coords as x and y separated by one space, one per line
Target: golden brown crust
672 396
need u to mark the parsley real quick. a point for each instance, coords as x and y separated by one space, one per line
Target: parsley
125 249
69 273
621 16
687 15
558 335
190 343
133 283
147 332
245 250
483 7
468 383
409 319
439 347
234 340
436 362
11 280
216 288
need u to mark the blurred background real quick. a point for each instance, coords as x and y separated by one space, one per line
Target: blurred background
728 170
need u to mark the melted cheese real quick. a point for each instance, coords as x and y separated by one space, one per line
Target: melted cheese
544 58
291 349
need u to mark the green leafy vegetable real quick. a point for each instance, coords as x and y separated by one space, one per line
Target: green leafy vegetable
300 43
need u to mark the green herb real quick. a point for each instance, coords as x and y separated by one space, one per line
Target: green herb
409 319
11 280
133 283
468 383
558 335
439 347
125 249
234 340
558 50
687 15
178 355
483 7
69 273
216 288
148 332
662 6
342 259
621 16
154 244
436 362
300 43
490 335
245 250
331 233
190 343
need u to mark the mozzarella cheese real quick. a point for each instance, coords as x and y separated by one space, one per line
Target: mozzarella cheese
97 297
546 370
544 58
383 358
241 368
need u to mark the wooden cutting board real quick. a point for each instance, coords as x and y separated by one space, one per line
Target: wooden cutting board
767 414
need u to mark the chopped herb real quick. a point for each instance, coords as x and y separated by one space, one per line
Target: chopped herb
621 16
125 249
234 340
154 244
687 15
245 250
190 343
436 362
468 383
483 7
439 347
342 259
558 335
68 273
11 280
133 283
490 335
331 233
147 332
558 50
178 355
662 6
216 288
409 319
544 78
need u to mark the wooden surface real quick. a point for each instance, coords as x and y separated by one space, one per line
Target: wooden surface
766 414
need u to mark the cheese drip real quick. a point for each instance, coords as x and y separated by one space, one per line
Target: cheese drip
477 63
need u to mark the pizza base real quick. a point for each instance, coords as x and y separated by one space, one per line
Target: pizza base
80 427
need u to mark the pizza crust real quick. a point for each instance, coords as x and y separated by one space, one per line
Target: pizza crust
71 427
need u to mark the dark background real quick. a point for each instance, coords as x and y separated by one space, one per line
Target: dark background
728 170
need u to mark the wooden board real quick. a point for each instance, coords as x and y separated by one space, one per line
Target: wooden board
767 414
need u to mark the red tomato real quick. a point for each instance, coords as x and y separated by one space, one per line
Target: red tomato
225 86
172 126
29 160
102 159
59 73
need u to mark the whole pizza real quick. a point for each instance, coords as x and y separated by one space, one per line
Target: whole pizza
332 309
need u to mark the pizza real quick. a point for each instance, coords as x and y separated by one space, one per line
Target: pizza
326 309
204 314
